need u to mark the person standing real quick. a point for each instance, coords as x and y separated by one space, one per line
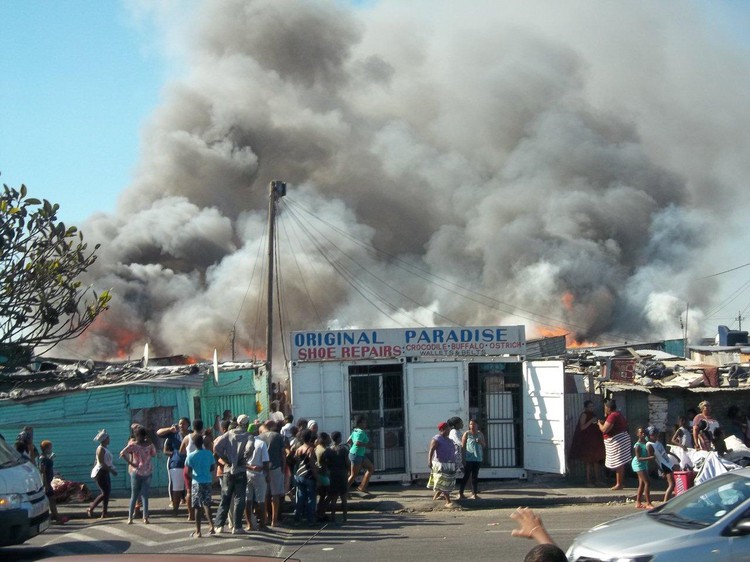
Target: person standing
640 467
46 466
257 481
138 454
441 458
277 467
587 444
337 460
101 472
617 444
173 436
234 449
456 435
186 447
661 457
473 444
305 477
201 464
25 442
702 439
360 441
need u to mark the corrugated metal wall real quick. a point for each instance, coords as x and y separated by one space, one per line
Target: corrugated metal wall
235 391
72 420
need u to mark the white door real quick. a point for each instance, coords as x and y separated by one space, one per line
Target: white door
319 393
435 392
544 416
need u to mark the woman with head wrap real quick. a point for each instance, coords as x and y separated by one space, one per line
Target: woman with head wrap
101 473
441 458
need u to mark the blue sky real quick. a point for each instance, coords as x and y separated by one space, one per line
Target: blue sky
77 81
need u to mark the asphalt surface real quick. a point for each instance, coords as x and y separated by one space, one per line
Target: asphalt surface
396 498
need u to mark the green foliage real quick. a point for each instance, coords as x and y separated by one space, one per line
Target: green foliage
42 302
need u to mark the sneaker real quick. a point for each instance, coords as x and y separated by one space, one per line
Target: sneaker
219 529
239 531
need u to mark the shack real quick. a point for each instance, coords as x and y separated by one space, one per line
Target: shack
406 381
69 402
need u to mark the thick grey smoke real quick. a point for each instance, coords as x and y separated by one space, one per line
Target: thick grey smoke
566 160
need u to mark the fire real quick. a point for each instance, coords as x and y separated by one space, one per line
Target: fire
123 338
567 300
570 339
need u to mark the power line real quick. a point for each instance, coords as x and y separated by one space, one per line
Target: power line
721 272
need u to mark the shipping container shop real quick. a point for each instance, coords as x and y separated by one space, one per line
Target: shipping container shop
407 380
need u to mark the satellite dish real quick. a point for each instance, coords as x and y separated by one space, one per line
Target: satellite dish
216 368
145 355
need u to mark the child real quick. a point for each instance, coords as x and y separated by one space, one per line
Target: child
640 467
201 464
682 436
661 457
46 466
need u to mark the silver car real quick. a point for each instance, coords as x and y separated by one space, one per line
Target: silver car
708 523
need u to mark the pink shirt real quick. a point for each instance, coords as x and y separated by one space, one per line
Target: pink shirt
141 455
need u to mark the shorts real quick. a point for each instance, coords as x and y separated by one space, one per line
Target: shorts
256 486
666 470
276 484
356 459
176 480
200 494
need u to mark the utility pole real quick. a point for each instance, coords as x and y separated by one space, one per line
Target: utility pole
739 319
234 333
276 190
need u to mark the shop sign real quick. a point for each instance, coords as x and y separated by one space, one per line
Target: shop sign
346 345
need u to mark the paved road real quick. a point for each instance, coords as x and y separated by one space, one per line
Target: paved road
369 536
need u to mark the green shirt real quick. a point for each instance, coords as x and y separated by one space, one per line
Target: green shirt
358 435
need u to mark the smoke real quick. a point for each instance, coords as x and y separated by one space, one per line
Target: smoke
556 165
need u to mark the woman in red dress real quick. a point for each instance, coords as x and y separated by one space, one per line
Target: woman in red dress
588 445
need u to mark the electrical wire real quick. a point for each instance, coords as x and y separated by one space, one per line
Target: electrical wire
382 281
350 278
457 289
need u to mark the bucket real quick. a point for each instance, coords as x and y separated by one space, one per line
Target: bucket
683 480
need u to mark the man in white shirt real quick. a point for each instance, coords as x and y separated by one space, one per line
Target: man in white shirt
257 480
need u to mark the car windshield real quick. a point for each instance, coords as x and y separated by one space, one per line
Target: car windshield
705 504
8 455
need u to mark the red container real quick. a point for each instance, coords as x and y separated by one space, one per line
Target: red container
683 480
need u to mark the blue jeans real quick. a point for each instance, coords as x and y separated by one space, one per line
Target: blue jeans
233 486
305 499
139 486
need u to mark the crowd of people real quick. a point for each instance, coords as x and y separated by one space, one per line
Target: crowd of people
257 465
608 441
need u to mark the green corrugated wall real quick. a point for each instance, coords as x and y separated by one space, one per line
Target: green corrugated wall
72 420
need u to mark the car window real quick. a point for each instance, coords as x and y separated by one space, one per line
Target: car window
707 503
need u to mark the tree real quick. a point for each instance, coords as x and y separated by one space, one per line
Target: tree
42 302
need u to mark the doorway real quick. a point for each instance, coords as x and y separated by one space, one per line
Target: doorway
377 392
495 402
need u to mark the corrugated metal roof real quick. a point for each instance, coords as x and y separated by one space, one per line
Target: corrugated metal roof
57 379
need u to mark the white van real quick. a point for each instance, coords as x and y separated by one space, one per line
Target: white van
24 509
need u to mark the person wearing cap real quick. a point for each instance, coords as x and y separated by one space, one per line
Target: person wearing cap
101 473
441 458
257 480
702 439
661 457
235 449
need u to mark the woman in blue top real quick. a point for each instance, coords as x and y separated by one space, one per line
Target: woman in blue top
360 441
640 467
473 444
